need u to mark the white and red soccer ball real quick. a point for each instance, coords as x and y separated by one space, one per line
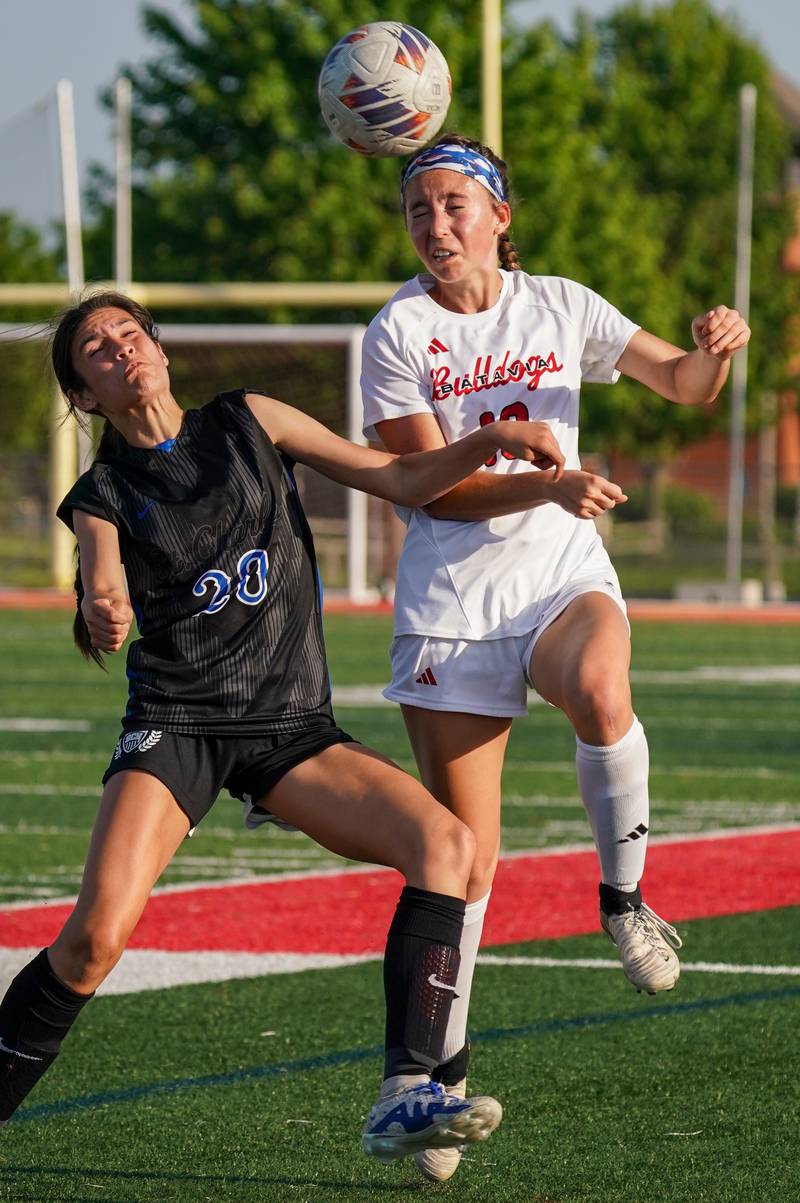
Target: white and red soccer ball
384 89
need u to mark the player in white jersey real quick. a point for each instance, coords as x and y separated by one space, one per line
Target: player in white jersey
504 582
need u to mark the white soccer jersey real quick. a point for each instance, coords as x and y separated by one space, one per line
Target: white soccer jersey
524 358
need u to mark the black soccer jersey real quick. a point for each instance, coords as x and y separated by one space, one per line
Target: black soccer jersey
222 576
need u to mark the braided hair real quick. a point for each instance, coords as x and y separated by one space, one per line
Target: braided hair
69 381
506 250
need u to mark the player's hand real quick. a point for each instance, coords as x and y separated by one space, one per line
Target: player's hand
721 332
108 620
585 494
530 441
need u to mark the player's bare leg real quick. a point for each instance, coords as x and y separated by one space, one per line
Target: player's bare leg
460 758
361 806
138 828
580 664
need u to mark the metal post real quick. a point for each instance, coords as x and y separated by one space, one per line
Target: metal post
69 186
67 449
357 526
744 221
492 74
72 223
123 230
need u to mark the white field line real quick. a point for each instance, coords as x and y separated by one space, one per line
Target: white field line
726 807
656 770
344 870
602 963
44 724
766 675
59 754
48 791
140 970
511 762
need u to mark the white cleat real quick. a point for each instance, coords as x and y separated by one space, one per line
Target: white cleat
440 1164
647 945
425 1117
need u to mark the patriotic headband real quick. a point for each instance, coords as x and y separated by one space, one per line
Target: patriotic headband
451 157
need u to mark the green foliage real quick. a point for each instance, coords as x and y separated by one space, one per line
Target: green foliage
25 387
668 80
239 178
23 257
687 512
622 138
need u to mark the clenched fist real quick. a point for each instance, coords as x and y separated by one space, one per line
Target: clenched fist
108 620
721 332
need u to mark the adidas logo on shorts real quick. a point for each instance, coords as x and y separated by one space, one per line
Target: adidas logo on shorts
427 677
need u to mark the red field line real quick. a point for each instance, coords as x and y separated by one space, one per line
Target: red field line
540 896
656 610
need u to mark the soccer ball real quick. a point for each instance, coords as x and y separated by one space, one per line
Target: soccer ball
384 89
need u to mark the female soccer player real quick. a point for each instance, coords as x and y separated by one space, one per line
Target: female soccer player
503 581
192 522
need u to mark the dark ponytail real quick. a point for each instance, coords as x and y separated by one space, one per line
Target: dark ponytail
506 251
69 380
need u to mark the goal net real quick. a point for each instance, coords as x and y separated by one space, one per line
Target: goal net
315 368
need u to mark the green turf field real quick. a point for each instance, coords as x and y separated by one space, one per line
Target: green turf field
257 1089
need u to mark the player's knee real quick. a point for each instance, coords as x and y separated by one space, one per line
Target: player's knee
450 844
600 708
481 877
86 957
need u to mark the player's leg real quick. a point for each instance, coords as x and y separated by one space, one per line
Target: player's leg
460 759
580 663
359 805
138 828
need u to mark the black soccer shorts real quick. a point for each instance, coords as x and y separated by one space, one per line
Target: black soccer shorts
195 768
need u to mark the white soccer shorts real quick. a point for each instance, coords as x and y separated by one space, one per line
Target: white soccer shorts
481 676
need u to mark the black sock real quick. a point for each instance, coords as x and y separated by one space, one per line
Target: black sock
35 1016
617 902
454 1070
419 975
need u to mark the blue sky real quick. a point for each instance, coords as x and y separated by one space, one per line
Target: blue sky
86 41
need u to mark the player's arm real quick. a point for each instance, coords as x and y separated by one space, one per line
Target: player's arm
409 479
487 494
688 377
105 605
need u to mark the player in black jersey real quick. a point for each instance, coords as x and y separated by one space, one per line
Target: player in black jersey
191 521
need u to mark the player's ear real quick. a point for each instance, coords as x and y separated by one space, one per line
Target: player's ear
163 353
82 401
502 217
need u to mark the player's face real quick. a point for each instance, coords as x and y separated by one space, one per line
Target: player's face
118 361
454 224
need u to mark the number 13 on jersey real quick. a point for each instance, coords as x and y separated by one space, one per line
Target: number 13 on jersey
515 412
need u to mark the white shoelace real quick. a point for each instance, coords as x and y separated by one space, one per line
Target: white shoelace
653 926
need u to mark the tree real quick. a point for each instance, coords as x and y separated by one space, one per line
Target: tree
622 138
25 381
238 177
666 112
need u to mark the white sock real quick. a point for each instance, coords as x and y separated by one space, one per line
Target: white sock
613 785
399 1082
456 1035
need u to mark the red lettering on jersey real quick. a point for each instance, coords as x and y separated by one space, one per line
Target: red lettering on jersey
536 368
482 377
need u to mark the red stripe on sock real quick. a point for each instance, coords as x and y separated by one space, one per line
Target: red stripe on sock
351 912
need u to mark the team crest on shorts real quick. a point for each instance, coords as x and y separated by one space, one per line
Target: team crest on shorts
136 741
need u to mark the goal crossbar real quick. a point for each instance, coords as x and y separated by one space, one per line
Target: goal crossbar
324 294
63 457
